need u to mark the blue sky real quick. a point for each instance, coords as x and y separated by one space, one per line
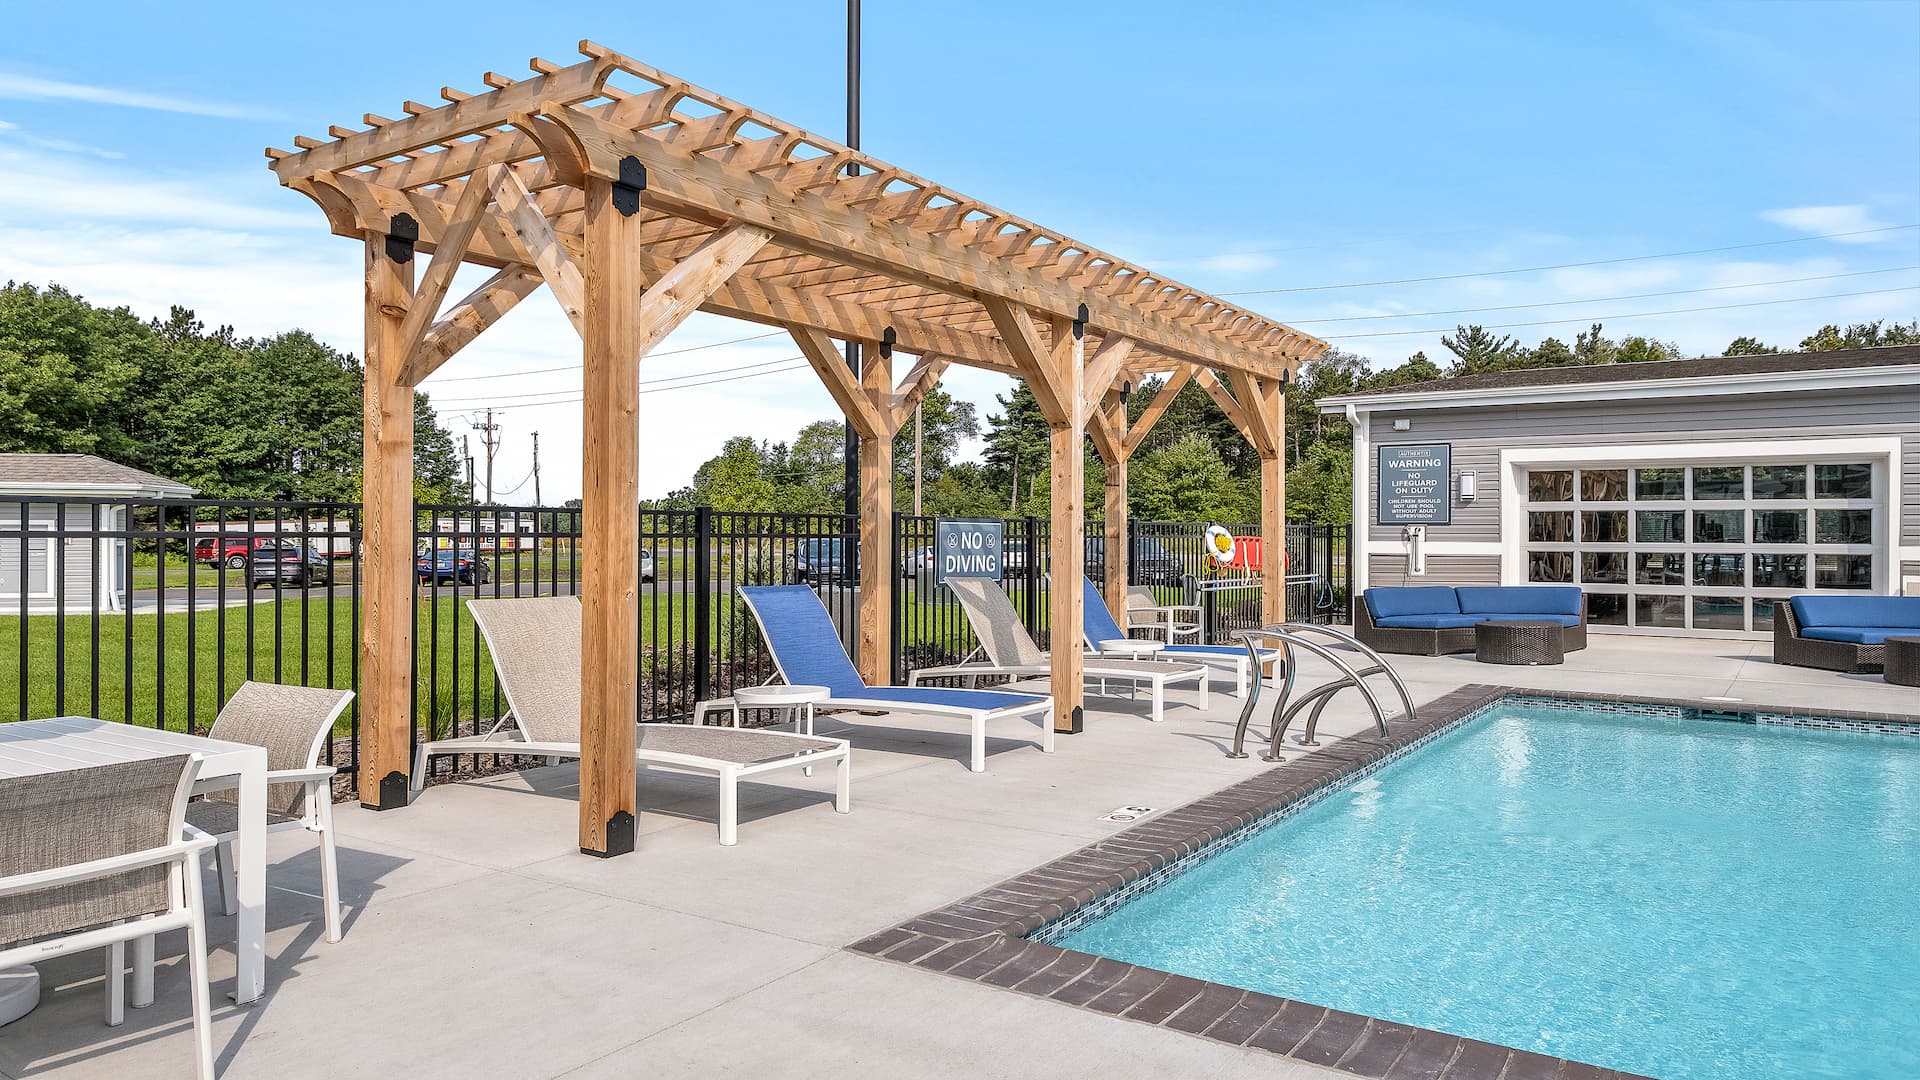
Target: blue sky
1239 147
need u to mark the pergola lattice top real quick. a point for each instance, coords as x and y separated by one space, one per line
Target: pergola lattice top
858 248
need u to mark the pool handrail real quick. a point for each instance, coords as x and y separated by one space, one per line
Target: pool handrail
1293 635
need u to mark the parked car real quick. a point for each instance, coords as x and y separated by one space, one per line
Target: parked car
289 563
234 552
646 565
916 560
818 560
446 564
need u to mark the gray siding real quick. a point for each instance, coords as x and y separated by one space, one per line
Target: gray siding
79 557
1391 570
1479 434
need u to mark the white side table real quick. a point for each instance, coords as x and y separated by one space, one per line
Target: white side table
795 701
19 992
1131 648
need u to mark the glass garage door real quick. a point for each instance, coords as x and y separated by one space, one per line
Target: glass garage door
1701 547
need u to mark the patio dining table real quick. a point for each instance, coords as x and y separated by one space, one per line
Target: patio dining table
66 743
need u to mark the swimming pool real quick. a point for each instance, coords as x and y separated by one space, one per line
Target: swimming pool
1683 898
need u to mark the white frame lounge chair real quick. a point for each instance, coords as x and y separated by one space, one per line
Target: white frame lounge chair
1099 626
111 860
806 651
1011 651
535 645
293 723
1169 622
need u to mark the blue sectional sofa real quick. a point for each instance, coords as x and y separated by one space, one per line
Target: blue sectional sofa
1842 633
1430 620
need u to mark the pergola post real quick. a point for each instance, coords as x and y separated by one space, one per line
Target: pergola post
1066 607
610 502
386 526
1118 554
876 522
1272 405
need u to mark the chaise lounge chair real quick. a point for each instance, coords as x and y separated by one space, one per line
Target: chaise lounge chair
1010 650
1099 627
535 642
806 651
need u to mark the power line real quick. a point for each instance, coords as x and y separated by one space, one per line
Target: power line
1631 315
576 367
702 378
1571 265
1606 299
576 395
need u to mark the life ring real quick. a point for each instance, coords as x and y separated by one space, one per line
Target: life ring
1220 545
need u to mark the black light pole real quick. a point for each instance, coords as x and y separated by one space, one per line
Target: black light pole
852 454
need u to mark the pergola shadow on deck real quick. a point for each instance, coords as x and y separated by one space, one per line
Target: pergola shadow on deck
638 199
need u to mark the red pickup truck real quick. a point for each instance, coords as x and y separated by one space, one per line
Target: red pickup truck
233 551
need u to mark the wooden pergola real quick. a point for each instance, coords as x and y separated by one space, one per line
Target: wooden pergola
638 199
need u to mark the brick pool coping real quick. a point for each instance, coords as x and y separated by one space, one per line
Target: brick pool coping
985 937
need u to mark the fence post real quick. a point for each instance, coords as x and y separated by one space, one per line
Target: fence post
1032 609
702 600
899 545
1133 552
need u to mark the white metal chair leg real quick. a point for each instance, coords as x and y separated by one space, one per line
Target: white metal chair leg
223 862
805 770
116 980
1204 680
1159 701
197 977
142 972
980 744
843 784
729 807
329 857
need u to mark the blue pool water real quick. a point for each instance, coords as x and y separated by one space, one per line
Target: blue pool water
1680 898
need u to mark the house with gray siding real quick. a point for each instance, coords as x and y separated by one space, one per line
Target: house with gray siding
1684 497
51 505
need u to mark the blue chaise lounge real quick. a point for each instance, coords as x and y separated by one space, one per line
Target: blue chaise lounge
1842 633
1431 620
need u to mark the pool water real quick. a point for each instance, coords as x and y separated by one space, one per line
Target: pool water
1679 898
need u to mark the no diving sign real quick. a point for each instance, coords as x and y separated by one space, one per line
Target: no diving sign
968 549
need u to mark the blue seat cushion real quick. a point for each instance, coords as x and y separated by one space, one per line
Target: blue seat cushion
1859 635
1532 616
1386 603
1210 650
1519 600
1428 622
798 630
938 695
1901 611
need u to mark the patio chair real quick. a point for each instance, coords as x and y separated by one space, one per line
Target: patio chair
806 651
1010 650
535 644
94 858
293 723
1168 622
1099 626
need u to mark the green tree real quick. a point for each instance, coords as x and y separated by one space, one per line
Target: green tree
1862 336
1018 444
948 423
736 479
1320 488
1188 481
1478 350
1748 346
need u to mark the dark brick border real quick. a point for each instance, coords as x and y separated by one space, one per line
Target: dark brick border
984 937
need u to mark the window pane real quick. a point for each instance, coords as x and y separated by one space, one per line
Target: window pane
1763 614
1603 567
1720 482
1779 526
1659 568
1719 569
1607 609
1552 486
1603 485
1843 481
1779 481
1843 571
1660 483
1780 571
39 567
1843 526
1555 566
1661 527
1550 526
1718 526
1719 613
1603 526
1659 610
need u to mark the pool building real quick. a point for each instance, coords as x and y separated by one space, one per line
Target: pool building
1683 497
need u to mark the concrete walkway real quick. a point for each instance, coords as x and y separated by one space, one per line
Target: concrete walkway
480 943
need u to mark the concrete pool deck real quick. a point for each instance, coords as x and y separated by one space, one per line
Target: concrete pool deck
479 942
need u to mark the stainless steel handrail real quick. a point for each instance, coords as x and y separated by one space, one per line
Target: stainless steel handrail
1293 635
1380 662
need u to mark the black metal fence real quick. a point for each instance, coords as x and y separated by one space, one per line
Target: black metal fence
154 612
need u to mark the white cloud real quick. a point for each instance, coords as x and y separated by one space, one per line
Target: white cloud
63 146
1828 220
5 126
40 188
20 87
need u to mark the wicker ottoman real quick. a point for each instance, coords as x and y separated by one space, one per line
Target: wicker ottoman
1517 643
1903 661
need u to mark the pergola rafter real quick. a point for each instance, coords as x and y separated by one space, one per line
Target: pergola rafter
638 198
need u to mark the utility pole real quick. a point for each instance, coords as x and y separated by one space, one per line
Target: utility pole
851 456
466 451
536 468
919 435
490 439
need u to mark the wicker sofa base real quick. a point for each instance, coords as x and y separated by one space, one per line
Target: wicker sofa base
1792 649
1410 642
